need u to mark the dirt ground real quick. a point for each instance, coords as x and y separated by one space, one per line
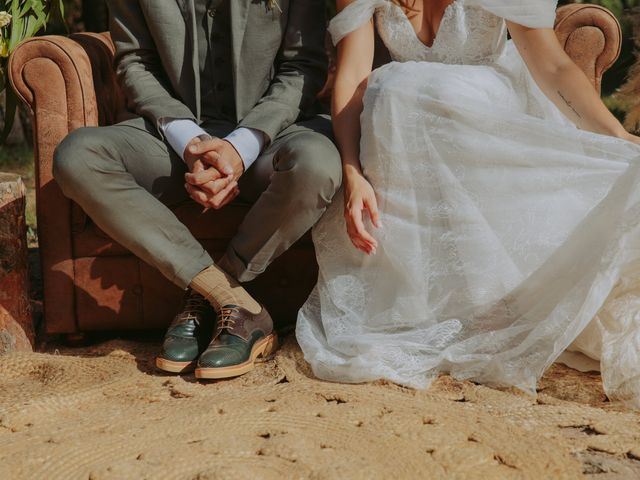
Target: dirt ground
102 412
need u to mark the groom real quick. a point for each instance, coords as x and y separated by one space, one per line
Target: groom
226 92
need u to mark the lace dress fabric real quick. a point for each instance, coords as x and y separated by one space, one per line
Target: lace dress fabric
507 232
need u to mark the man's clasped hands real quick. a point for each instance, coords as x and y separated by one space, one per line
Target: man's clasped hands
214 169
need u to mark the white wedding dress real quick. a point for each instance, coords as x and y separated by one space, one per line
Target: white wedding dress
506 231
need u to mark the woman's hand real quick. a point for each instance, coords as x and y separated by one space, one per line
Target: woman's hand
358 198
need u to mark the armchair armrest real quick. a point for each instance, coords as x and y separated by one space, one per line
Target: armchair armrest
592 37
58 77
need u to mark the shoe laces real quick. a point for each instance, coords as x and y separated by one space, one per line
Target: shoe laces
227 318
194 307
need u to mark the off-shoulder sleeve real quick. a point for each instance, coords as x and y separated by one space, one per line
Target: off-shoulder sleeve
530 13
352 17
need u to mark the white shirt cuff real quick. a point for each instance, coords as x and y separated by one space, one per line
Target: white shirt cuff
179 132
248 143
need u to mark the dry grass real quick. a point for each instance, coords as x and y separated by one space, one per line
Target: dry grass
103 412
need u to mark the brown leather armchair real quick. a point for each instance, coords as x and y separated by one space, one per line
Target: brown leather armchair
91 282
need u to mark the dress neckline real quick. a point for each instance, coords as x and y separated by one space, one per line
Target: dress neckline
445 18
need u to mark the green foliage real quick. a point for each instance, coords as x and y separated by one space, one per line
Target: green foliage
617 7
19 20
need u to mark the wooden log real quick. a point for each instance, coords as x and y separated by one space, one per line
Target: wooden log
16 324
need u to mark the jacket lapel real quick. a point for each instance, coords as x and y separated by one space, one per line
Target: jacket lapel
239 18
189 13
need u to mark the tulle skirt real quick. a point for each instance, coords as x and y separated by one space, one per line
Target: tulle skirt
506 232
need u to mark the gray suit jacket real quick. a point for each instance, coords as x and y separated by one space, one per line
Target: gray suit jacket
279 61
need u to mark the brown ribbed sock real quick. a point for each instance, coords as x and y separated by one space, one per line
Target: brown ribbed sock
221 289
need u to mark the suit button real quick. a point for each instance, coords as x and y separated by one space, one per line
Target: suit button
221 87
218 61
211 12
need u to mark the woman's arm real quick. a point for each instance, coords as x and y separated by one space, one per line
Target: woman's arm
354 63
353 66
563 82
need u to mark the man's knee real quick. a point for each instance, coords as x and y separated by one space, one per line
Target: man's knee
313 163
77 156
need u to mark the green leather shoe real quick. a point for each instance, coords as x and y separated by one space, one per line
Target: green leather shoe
188 335
241 337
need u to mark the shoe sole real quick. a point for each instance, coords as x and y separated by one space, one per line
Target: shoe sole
262 348
174 367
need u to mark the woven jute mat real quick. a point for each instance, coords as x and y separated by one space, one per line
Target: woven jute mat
104 413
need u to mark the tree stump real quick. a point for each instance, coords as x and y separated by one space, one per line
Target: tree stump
16 325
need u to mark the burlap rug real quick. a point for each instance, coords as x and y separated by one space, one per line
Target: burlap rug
104 413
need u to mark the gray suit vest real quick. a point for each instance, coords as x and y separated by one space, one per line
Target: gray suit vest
213 20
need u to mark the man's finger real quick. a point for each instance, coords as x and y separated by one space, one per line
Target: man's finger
209 194
229 198
202 177
205 146
216 186
210 157
216 201
197 195
218 162
215 160
198 166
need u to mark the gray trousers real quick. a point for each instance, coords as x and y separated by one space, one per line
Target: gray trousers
126 178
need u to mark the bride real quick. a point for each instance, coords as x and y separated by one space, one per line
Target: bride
492 204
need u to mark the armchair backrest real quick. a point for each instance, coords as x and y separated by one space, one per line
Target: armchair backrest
591 36
110 100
